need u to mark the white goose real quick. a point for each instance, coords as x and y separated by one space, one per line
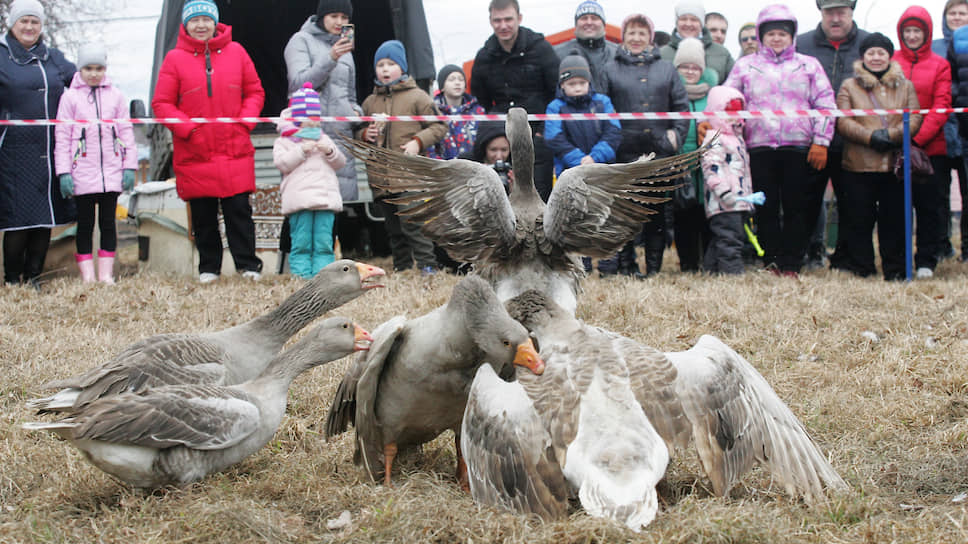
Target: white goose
224 357
176 434
412 385
708 393
516 241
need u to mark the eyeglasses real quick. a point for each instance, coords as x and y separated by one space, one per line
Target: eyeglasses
745 39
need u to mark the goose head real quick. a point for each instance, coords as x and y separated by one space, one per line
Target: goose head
522 155
503 340
535 310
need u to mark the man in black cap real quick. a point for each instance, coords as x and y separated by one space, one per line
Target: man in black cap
836 44
517 67
589 40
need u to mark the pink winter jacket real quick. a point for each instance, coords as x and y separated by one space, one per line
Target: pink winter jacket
784 81
309 181
726 165
94 155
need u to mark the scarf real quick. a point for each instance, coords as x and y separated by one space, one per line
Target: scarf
697 91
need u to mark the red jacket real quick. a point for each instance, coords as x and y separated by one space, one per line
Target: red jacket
210 160
931 75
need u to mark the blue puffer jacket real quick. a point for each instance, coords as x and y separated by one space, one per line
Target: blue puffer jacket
958 57
572 140
941 48
31 84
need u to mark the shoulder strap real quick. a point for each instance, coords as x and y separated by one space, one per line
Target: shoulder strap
878 106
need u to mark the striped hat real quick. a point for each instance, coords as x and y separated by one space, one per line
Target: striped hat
305 102
195 8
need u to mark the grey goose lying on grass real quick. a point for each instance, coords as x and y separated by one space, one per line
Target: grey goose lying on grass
224 357
516 241
606 413
176 434
412 385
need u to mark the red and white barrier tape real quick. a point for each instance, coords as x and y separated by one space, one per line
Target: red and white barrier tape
766 114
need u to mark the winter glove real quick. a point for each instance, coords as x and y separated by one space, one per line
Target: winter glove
66 185
701 129
728 199
880 140
817 156
127 179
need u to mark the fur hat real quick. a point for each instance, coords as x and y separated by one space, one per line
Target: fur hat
590 7
393 50
876 39
305 102
445 72
22 8
195 8
92 54
690 51
691 7
325 7
573 66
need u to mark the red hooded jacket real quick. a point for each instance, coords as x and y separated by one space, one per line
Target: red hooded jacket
211 159
931 75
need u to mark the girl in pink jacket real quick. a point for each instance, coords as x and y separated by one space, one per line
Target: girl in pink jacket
94 162
308 160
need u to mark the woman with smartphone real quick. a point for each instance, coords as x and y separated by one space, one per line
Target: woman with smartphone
321 52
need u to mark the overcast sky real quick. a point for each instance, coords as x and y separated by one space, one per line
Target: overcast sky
458 28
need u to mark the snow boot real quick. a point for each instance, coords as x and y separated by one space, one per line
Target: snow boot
85 263
105 266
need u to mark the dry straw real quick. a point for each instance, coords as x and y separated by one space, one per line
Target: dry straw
891 414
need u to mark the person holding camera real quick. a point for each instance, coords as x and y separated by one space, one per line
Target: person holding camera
493 148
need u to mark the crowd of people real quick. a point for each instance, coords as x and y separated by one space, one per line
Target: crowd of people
710 217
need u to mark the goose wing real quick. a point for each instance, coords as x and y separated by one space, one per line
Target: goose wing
511 463
204 417
596 208
461 205
738 421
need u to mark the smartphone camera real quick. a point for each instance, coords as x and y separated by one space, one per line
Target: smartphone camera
346 31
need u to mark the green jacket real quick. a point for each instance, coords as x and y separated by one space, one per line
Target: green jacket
691 142
717 56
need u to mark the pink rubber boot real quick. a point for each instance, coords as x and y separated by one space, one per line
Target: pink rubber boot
85 263
105 266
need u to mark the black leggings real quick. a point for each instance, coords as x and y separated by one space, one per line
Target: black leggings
24 252
106 204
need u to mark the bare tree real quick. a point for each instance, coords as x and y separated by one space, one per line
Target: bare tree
67 21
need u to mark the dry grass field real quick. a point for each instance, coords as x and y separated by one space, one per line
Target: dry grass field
877 372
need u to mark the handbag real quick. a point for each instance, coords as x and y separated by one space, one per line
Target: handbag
921 168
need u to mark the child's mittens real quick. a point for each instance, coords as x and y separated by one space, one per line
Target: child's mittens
307 146
127 179
66 185
728 199
325 148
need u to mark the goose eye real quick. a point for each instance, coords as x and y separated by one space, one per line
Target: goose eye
345 268
346 325
507 343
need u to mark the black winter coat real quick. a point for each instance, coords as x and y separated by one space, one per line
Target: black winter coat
31 85
527 76
646 83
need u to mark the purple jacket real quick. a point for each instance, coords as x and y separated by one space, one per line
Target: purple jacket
94 155
784 81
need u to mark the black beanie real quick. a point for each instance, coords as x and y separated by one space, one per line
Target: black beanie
877 39
787 26
445 72
325 7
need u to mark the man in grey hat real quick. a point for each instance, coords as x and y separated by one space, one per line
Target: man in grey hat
836 44
589 40
690 15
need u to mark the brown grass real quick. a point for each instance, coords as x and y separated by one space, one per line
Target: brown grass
891 414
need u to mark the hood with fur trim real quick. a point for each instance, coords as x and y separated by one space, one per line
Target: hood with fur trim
893 78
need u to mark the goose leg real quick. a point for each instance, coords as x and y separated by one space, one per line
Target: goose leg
389 453
462 478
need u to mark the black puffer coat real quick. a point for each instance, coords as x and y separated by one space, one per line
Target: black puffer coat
31 85
644 83
526 77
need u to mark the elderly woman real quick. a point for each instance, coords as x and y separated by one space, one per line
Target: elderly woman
209 75
320 54
32 79
872 192
638 80
787 153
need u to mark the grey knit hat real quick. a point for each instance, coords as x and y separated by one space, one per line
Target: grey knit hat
22 8
573 66
691 7
92 54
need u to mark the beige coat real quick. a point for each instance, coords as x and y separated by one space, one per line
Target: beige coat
893 91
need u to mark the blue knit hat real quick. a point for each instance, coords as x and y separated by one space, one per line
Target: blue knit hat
590 7
305 102
394 51
194 8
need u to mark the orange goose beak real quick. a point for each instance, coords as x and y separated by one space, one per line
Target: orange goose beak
528 357
370 276
361 339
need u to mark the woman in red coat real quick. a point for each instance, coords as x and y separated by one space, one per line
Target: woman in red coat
931 75
209 75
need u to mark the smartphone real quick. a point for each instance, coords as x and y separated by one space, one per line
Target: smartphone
346 31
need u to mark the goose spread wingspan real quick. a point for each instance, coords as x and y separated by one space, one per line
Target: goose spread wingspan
414 386
175 434
516 241
225 357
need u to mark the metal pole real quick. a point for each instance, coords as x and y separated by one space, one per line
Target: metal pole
907 196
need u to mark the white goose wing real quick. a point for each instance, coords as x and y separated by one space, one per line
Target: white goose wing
596 208
461 205
511 463
738 421
203 417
